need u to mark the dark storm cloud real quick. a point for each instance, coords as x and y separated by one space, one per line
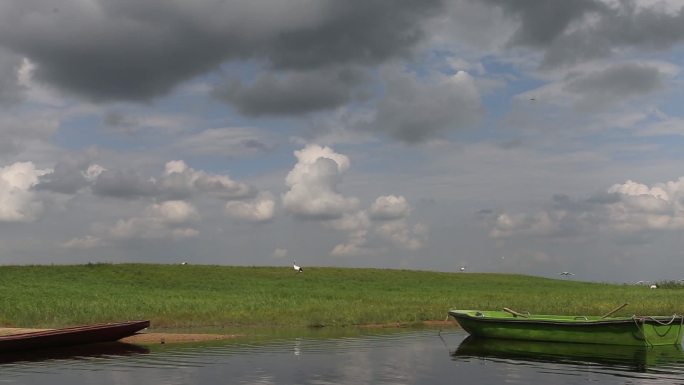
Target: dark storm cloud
132 50
622 27
414 110
615 84
569 32
66 178
604 198
124 184
542 22
646 27
116 119
622 80
11 91
292 94
356 31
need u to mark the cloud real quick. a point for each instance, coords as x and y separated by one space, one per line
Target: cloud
599 87
22 131
414 110
313 195
118 121
179 181
389 207
170 216
17 202
542 23
357 225
625 208
390 213
11 89
505 225
228 142
68 176
125 184
354 246
292 93
135 51
358 31
168 220
261 209
472 24
570 32
626 79
623 81
399 233
87 242
313 182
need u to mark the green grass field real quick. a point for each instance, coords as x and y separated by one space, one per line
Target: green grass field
201 295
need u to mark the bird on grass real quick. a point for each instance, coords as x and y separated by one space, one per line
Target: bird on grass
296 267
653 287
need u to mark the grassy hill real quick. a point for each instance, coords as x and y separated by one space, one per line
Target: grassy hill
203 295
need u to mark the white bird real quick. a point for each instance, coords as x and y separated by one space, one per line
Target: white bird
566 273
462 269
653 287
296 267
184 263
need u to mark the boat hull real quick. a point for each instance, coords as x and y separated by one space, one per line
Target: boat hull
70 336
632 331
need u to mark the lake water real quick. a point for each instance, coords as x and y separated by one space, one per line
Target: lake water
359 357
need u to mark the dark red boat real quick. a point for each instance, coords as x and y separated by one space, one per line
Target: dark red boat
78 335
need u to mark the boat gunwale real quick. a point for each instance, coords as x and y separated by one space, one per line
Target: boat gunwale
657 320
75 329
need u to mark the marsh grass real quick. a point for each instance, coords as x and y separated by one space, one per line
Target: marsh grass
180 296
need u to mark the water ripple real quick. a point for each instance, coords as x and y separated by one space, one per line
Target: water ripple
410 357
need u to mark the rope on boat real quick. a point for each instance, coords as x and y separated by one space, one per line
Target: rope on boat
643 320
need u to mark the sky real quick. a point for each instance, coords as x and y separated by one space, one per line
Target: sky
511 136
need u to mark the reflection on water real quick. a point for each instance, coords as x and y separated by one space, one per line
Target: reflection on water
112 349
361 357
607 358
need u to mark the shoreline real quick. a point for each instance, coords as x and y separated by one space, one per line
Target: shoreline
158 336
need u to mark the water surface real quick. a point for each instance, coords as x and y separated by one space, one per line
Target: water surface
359 357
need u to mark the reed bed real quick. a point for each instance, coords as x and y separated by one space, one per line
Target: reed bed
228 296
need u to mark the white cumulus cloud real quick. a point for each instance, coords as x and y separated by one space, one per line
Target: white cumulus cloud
17 202
261 209
628 207
170 219
389 207
313 184
313 195
181 180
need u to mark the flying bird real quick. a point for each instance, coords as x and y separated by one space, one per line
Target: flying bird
296 267
566 273
462 268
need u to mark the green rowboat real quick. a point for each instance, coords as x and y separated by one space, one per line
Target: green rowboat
632 331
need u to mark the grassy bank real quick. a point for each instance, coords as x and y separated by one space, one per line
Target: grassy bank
181 296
